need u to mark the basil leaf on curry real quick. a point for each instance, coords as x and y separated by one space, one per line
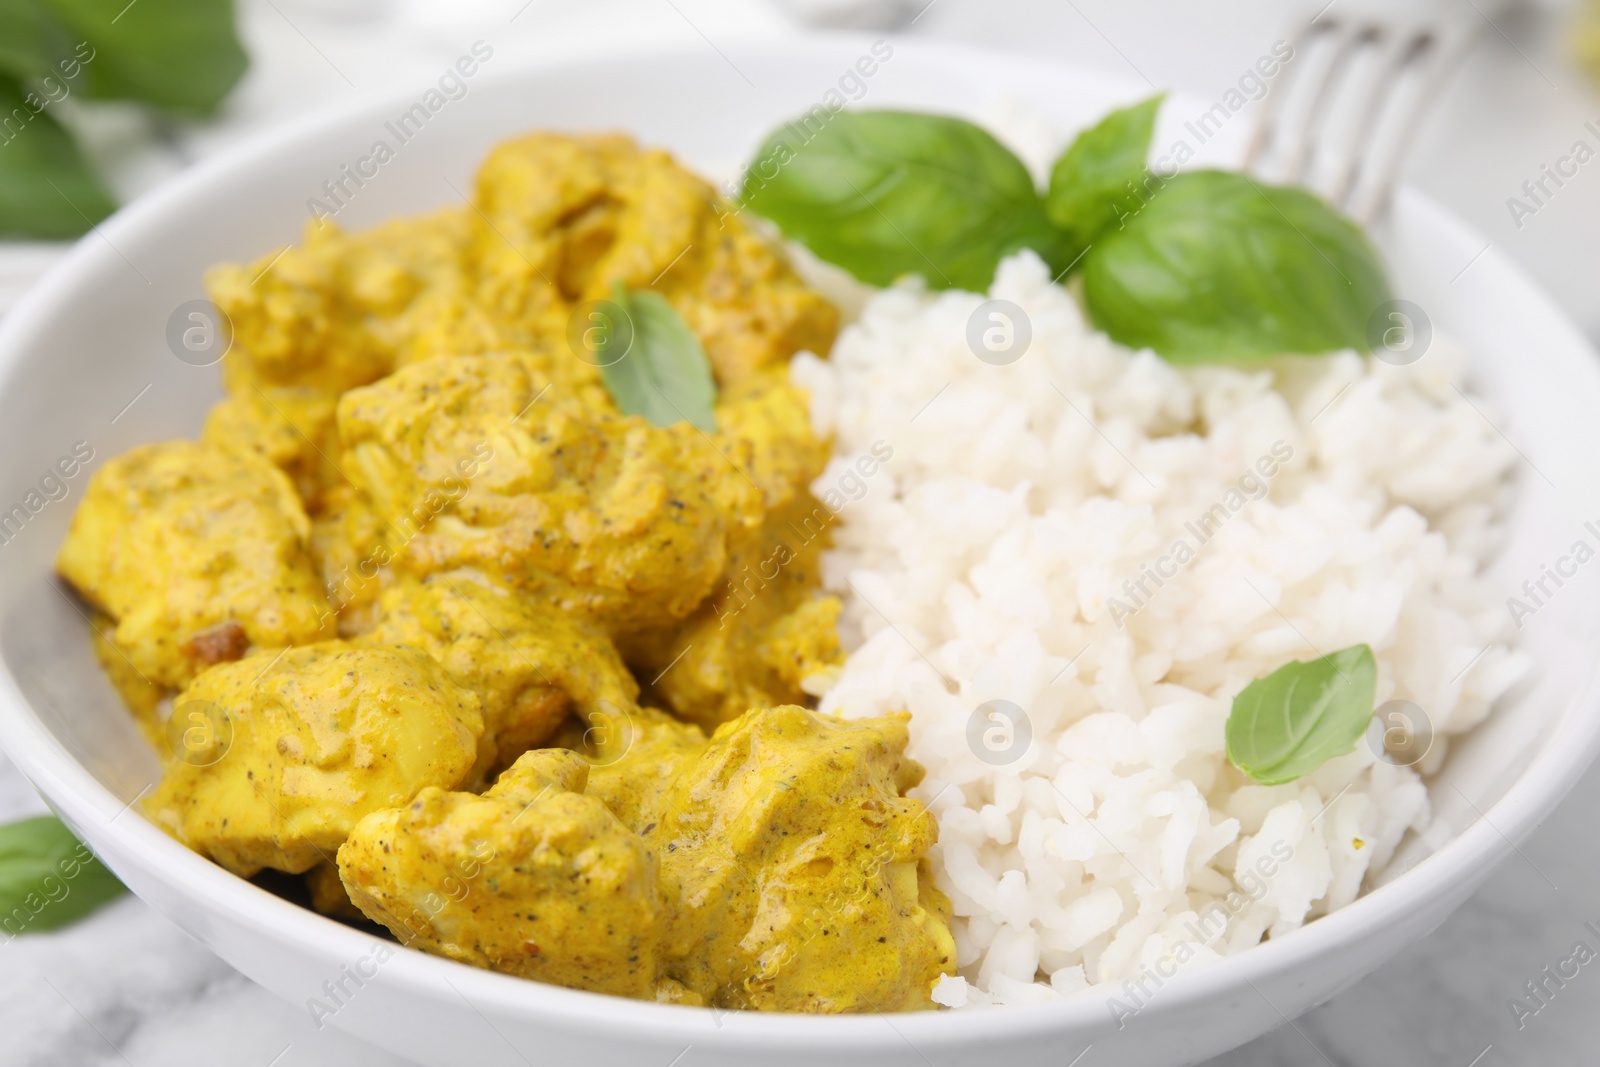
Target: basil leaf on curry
653 364
1302 715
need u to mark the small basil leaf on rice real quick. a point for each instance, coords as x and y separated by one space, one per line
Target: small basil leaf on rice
1219 267
885 194
1101 179
1300 716
663 374
47 878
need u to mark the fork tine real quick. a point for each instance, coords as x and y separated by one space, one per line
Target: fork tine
1267 118
1450 48
1398 52
1346 38
1362 179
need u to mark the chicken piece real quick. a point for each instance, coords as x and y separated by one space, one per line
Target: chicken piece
472 462
583 213
756 640
141 696
634 759
342 309
800 647
747 305
532 878
351 555
765 425
309 740
795 864
555 220
328 896
292 428
198 553
539 197
765 628
530 663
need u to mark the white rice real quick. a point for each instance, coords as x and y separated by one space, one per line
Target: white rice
1117 845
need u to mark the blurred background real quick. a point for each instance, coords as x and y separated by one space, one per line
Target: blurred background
126 987
1519 103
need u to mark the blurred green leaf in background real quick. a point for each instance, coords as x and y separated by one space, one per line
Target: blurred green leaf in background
47 878
181 56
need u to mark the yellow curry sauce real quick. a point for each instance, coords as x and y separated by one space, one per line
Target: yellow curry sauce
494 665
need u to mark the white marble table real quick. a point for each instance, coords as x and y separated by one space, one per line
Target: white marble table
127 988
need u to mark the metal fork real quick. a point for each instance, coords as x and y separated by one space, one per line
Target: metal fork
1419 54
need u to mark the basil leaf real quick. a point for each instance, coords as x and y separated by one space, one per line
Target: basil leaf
178 54
1220 267
48 879
1300 716
884 194
47 189
30 40
1102 178
653 364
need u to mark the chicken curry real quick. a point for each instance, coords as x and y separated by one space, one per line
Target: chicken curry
426 617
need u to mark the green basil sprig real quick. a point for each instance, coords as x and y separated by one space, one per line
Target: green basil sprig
653 364
47 878
47 188
1204 266
1300 716
889 193
179 55
1102 178
182 55
1221 267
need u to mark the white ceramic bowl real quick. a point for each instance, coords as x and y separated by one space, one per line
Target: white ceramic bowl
91 341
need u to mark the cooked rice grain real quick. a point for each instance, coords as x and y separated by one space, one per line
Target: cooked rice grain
987 561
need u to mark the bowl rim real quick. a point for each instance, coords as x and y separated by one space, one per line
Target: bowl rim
80 798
